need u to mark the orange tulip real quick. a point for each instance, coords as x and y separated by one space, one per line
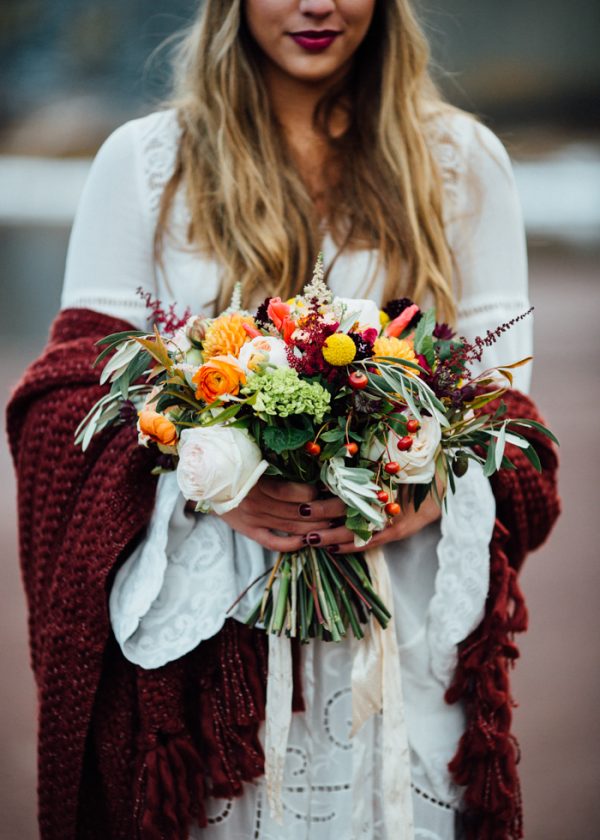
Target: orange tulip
158 427
217 377
278 311
399 324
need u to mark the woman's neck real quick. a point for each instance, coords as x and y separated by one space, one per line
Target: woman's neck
294 103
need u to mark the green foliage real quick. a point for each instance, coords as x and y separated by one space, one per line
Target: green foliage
285 438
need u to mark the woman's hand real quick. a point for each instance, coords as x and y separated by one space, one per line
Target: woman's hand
273 508
406 524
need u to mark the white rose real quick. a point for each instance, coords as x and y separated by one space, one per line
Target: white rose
262 350
417 466
366 312
218 466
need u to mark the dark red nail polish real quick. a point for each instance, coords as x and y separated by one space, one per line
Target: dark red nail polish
312 539
333 549
304 510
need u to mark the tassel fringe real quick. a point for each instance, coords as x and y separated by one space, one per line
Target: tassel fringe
487 756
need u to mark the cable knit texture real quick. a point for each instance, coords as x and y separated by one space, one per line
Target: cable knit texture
126 752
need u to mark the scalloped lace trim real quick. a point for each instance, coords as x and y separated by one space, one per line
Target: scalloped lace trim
462 580
512 306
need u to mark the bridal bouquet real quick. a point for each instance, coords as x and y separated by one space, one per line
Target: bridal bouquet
377 407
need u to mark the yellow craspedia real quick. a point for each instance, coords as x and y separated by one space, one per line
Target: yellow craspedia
397 348
339 349
226 335
384 318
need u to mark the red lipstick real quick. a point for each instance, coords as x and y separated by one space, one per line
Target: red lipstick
315 40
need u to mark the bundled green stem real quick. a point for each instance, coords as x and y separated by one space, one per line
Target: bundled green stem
314 594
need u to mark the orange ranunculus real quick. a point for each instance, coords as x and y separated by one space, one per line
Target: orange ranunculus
219 376
278 311
158 427
227 334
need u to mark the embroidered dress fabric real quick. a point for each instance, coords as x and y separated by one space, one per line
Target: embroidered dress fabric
175 588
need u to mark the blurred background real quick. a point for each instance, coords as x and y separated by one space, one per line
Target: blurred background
72 70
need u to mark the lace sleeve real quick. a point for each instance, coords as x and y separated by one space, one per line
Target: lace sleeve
486 233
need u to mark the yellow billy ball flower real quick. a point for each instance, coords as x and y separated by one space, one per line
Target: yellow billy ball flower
384 318
339 349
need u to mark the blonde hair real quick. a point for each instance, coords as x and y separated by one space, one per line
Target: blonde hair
249 207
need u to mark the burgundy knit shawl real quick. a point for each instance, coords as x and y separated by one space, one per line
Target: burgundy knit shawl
125 752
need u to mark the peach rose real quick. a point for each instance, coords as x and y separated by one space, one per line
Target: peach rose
157 427
218 377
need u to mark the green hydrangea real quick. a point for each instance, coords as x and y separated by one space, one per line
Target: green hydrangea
281 392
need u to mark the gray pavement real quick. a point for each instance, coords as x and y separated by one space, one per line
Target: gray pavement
556 682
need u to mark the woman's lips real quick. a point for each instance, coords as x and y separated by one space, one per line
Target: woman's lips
314 40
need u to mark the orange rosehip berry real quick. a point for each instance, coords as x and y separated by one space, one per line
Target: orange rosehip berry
358 380
392 508
382 496
392 467
413 425
351 448
312 447
405 443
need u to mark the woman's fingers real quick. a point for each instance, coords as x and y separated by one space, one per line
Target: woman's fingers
330 537
287 491
332 508
275 542
289 501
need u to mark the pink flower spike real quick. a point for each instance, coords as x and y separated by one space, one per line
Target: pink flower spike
399 324
251 331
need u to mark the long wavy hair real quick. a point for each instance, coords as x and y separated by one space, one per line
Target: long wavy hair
249 207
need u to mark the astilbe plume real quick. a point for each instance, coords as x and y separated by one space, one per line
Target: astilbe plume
444 381
473 351
311 361
167 320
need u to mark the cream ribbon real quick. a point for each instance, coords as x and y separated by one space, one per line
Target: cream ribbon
278 716
376 686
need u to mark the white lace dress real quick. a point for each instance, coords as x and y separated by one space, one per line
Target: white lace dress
175 588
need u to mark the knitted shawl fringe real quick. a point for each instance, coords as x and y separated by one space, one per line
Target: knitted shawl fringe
140 750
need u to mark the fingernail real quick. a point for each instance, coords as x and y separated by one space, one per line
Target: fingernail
304 510
312 539
337 523
333 549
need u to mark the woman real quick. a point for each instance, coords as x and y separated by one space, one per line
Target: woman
296 126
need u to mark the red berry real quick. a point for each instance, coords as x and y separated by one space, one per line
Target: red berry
383 496
392 508
413 425
405 443
392 467
351 448
358 380
312 447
